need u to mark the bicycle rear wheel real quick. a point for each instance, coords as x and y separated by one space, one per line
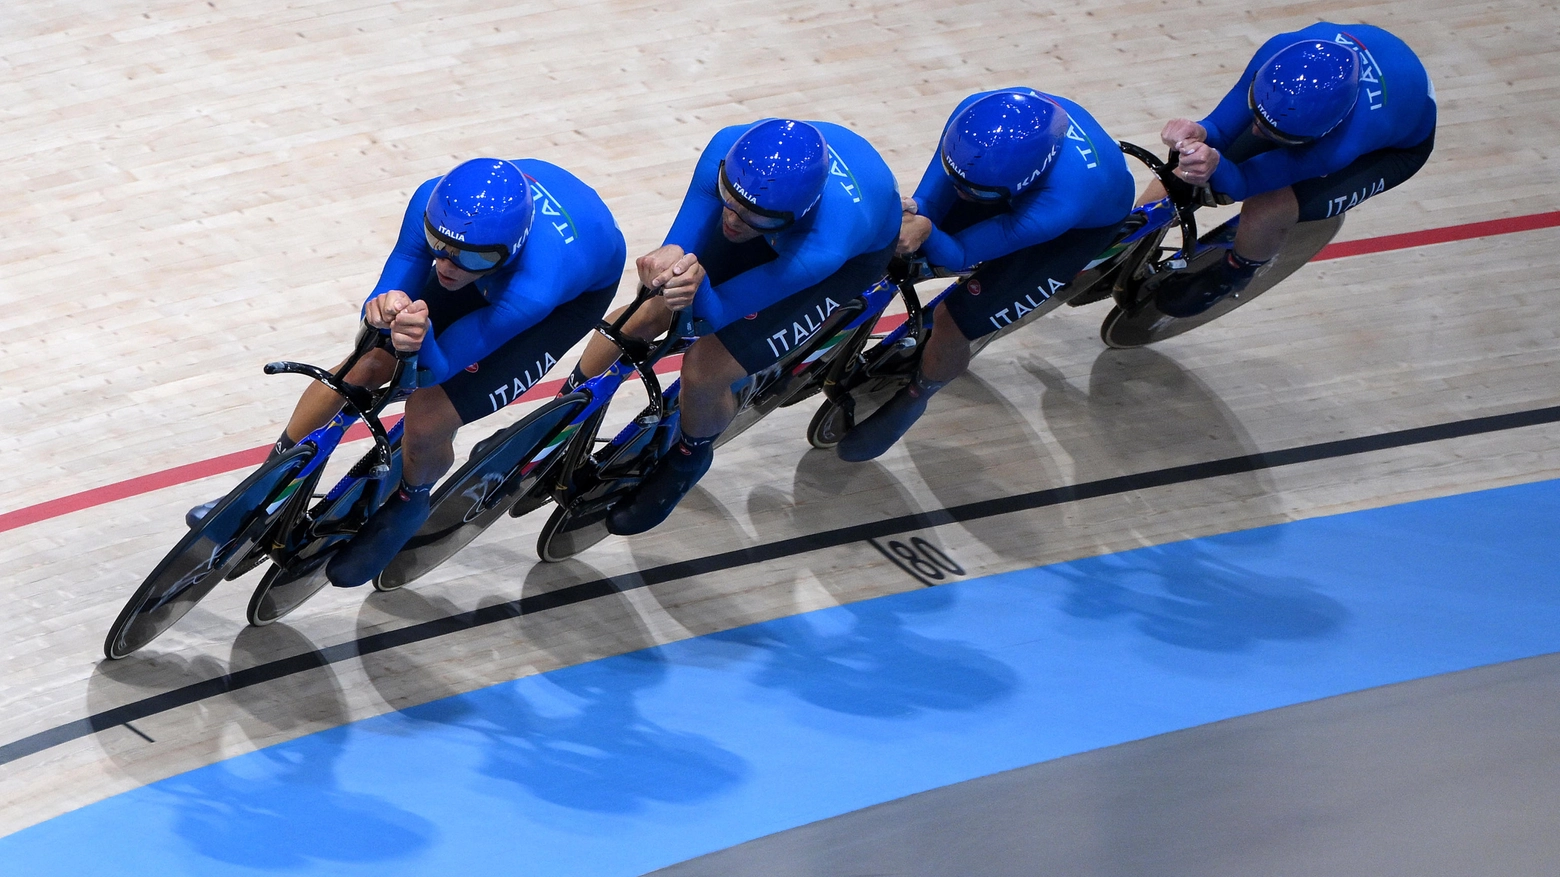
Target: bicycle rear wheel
799 374
487 486
596 486
207 552
868 384
301 555
1146 324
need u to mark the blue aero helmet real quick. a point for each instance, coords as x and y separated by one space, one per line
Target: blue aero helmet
1304 91
1002 144
479 215
774 173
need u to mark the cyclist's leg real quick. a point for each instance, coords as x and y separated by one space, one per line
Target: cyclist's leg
434 414
315 408
1267 219
714 363
1000 292
318 403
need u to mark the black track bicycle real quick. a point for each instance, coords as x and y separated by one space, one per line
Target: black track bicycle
274 515
555 455
1127 272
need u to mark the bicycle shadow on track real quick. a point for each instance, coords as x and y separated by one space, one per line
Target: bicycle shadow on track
700 526
1190 596
581 741
283 807
1004 458
561 635
1142 412
826 494
865 659
278 708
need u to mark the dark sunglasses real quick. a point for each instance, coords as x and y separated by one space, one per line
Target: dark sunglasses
752 215
973 191
1267 128
477 260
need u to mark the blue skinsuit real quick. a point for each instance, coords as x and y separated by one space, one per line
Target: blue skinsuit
858 213
574 247
1396 110
1089 186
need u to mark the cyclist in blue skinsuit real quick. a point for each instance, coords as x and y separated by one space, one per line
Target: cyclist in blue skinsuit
1321 120
500 268
1025 189
783 222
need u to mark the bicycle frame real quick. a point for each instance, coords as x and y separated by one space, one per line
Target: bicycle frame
588 484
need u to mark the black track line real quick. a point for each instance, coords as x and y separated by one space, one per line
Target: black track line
741 557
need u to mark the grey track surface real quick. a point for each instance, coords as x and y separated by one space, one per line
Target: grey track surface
1451 775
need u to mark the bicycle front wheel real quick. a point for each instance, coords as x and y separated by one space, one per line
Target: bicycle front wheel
207 553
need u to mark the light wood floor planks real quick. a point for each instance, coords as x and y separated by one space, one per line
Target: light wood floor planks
197 188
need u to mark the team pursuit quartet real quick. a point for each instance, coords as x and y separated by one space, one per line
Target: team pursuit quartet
772 284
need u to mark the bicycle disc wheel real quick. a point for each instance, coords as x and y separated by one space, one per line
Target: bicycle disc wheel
486 487
299 572
829 424
1147 324
206 553
570 530
286 586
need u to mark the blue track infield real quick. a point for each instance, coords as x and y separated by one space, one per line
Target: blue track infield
636 762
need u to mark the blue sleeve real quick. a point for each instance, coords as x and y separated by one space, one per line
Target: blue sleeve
529 297
934 197
1278 168
1049 213
795 269
699 216
411 262
574 247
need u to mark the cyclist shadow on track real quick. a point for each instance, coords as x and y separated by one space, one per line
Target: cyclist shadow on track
578 739
828 494
286 706
247 813
558 636
865 659
1004 458
1144 412
701 525
283 808
397 674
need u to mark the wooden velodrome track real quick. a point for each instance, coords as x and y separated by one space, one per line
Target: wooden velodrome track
194 189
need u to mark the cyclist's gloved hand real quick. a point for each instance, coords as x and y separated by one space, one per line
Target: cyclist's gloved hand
410 327
913 232
1178 133
679 282
380 310
1198 162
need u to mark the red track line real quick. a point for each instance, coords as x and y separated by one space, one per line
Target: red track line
242 459
1438 236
